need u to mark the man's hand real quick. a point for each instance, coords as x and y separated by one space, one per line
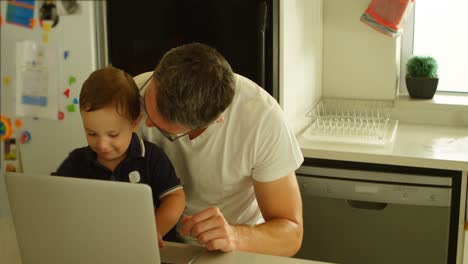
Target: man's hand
211 229
280 234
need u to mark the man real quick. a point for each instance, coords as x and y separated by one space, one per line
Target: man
232 148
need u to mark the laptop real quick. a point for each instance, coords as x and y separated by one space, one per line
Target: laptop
71 220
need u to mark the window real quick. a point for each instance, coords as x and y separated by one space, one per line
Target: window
438 29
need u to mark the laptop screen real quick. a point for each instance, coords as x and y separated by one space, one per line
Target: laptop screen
70 220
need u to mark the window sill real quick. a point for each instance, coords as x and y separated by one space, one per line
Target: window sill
440 100
443 109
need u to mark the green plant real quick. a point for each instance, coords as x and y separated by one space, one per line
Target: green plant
421 66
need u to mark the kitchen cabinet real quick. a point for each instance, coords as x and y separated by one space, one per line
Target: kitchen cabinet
415 145
358 212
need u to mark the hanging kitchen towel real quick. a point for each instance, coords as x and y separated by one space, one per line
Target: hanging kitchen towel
386 16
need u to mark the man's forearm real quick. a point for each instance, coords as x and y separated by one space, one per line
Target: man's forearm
280 237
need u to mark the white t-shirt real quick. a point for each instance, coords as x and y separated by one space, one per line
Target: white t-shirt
217 168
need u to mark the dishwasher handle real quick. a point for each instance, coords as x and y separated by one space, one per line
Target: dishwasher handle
366 205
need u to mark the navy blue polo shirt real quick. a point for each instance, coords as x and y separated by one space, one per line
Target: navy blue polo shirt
148 159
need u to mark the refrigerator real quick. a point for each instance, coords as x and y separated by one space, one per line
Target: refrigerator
48 49
246 32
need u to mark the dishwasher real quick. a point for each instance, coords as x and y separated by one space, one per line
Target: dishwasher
361 213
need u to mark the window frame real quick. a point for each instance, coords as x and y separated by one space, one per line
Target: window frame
406 51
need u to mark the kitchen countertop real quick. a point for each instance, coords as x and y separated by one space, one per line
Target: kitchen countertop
427 146
251 258
209 257
10 253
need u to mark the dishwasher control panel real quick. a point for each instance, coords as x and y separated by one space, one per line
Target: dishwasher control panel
374 191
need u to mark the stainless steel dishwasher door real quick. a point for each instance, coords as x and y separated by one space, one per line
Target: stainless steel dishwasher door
356 221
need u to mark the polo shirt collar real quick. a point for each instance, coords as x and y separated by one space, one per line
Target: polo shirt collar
136 149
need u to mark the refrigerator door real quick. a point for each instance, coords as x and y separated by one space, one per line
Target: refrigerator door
244 31
72 47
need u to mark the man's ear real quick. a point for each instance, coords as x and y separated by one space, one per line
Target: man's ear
137 122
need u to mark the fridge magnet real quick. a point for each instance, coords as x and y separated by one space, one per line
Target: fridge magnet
68 7
5 128
10 156
46 26
18 123
10 167
75 100
71 80
32 23
20 13
25 137
66 54
1 20
61 115
48 12
6 80
10 149
45 38
67 93
71 108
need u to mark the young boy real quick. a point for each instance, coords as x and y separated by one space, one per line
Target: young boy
110 108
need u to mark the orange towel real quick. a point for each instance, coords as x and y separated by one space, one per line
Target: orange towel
387 16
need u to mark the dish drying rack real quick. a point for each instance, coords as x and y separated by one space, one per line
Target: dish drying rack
352 121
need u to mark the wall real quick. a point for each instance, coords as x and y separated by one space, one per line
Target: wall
300 58
326 51
358 61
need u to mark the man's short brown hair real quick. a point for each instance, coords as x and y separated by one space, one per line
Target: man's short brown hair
194 84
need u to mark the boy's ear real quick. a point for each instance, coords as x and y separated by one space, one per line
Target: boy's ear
136 123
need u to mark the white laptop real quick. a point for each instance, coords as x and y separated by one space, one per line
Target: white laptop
68 220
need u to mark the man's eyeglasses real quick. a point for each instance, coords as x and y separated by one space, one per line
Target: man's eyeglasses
170 136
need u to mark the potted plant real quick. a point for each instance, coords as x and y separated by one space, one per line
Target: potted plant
421 77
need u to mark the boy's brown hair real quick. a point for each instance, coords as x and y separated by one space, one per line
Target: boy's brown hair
111 86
